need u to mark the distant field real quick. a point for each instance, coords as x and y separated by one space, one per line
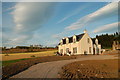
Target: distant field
14 56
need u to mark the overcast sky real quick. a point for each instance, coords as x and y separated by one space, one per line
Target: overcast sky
26 23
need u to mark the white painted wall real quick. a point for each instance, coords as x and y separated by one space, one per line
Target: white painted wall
81 45
84 45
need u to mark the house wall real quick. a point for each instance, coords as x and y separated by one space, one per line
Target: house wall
70 46
75 45
99 46
116 45
84 45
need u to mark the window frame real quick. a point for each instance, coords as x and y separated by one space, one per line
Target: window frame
90 50
88 40
75 50
67 50
61 50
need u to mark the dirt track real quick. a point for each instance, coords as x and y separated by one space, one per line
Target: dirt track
51 69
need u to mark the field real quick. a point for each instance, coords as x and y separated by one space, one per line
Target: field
14 56
91 69
17 62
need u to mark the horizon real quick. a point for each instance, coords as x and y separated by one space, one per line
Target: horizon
46 23
57 44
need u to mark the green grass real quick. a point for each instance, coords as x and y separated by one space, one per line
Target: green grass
108 48
5 63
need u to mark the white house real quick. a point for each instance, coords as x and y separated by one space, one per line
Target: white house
79 44
116 45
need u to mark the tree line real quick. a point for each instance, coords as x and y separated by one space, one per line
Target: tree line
106 40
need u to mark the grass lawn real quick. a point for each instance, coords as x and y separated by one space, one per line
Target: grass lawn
6 63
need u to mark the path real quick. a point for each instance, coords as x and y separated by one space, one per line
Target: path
51 69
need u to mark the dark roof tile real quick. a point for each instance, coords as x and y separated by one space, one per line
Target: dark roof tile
79 36
71 38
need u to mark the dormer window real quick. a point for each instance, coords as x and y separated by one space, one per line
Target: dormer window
67 40
74 39
61 42
96 41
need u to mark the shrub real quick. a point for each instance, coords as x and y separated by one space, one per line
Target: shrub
6 54
33 56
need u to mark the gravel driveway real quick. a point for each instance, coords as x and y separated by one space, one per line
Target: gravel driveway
51 69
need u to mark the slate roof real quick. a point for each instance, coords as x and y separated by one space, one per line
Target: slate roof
93 39
64 41
70 39
78 37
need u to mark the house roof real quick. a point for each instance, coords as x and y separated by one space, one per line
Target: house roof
93 39
78 37
70 39
64 41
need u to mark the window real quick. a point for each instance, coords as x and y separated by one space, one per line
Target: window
67 50
67 40
116 42
61 42
75 50
61 51
89 49
88 40
74 40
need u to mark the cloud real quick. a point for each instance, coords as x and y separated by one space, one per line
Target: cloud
60 35
107 28
28 18
105 12
11 8
76 11
51 43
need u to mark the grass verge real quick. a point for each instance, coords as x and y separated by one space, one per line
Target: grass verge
6 63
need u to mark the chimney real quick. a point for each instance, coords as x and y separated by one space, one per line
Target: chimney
85 31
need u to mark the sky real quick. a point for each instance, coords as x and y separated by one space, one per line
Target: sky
46 23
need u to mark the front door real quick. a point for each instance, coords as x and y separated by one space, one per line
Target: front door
97 51
93 51
85 52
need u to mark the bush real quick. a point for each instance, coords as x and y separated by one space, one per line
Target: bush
6 54
33 56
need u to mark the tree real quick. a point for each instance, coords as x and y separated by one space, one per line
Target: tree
106 40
